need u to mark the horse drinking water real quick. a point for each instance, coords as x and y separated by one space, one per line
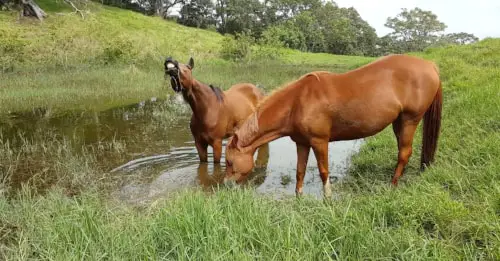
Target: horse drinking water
321 107
216 114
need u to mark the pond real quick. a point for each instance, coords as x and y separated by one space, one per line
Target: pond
148 148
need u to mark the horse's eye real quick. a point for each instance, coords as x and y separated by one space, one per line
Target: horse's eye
229 164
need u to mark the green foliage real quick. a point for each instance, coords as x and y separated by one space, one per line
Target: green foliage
287 35
416 30
237 48
12 49
267 52
239 16
118 50
310 27
327 28
198 13
459 38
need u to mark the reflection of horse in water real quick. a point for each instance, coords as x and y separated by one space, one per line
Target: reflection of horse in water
256 178
180 178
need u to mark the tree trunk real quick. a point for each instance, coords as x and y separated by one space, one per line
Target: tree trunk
30 8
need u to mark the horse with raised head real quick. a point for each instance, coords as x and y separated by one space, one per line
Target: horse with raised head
321 107
216 113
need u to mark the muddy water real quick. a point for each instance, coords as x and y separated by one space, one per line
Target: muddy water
157 155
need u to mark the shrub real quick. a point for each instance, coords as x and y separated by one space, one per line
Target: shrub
237 48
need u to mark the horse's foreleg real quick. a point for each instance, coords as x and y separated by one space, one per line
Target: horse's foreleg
321 152
405 142
262 156
201 147
217 146
302 157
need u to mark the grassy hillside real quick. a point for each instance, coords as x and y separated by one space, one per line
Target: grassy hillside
115 57
106 35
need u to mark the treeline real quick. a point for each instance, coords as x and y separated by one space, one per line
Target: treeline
306 25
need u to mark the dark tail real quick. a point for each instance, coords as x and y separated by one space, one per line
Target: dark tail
432 125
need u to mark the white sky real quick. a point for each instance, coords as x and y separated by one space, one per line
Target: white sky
479 17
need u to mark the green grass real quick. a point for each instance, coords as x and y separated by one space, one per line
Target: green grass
106 35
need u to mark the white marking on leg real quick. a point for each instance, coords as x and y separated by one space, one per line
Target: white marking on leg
327 189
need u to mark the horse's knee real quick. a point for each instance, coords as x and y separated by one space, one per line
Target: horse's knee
404 154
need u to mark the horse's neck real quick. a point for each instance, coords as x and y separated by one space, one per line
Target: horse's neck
200 97
270 122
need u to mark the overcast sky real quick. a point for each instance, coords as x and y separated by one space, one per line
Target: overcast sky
479 17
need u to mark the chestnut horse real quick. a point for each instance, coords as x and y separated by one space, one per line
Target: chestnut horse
216 114
321 107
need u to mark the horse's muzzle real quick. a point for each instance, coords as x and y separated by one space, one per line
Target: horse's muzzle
229 183
173 74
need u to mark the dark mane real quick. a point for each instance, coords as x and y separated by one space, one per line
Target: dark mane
218 93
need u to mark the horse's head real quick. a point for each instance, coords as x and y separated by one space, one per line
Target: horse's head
239 162
180 74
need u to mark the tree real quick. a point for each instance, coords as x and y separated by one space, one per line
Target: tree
285 9
286 34
345 32
308 24
459 38
148 7
198 13
236 16
415 29
28 7
162 7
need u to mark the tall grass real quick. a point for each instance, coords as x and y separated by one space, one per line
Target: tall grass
449 212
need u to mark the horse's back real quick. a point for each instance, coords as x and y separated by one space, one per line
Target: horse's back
363 101
411 81
242 100
244 92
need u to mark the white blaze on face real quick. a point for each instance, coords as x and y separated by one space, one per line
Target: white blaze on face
170 65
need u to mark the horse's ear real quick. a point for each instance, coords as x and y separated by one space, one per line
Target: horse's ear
191 63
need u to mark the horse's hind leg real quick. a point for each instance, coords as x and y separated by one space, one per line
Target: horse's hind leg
405 132
396 127
302 157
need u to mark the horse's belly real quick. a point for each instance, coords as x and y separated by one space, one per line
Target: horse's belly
360 127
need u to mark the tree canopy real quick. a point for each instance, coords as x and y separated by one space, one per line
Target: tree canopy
306 25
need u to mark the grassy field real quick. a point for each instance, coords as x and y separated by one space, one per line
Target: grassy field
115 57
449 212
